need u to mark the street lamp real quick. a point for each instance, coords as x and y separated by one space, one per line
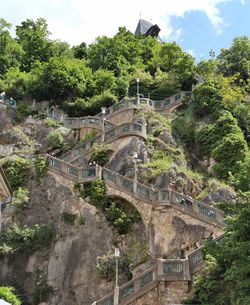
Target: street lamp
103 123
137 91
116 292
135 159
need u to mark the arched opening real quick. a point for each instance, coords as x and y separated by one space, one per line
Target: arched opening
135 242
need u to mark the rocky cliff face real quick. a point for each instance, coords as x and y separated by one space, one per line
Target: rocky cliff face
69 266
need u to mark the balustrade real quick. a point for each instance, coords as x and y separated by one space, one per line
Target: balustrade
172 267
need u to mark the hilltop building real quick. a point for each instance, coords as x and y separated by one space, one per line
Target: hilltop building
146 28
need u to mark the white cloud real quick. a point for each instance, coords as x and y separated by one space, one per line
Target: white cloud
81 20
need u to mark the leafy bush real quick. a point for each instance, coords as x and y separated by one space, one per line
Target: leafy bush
183 126
115 213
207 99
105 99
49 122
204 138
107 266
55 139
23 111
242 178
209 135
96 192
91 106
21 198
226 280
231 149
100 154
16 170
118 218
40 166
89 135
27 239
7 294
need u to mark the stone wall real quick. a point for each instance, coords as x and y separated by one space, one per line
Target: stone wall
166 293
176 233
85 130
121 117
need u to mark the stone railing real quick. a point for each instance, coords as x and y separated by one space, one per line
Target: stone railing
127 129
171 101
166 270
72 172
132 103
87 122
163 197
125 104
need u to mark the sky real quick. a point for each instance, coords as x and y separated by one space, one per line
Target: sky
196 25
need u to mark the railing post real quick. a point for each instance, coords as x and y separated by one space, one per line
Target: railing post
135 157
116 295
98 171
186 272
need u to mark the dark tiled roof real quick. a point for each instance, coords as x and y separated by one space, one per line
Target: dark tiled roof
146 28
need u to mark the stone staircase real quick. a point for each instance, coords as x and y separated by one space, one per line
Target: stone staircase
123 130
125 104
165 270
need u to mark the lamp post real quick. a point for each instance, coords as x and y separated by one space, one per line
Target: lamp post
135 159
116 291
137 91
103 123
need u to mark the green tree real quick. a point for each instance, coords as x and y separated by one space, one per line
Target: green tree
207 99
226 280
60 79
10 50
103 80
15 83
236 59
119 54
17 170
80 51
61 48
33 37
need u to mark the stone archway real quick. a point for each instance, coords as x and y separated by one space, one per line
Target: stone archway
143 208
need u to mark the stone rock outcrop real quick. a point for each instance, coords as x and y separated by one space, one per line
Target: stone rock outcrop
219 195
122 160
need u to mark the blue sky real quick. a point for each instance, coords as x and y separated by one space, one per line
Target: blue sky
197 25
198 35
